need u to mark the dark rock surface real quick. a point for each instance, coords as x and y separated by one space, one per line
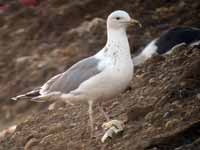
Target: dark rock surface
161 109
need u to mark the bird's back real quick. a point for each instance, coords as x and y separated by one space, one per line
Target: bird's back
176 36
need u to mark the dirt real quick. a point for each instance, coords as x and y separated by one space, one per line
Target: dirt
161 107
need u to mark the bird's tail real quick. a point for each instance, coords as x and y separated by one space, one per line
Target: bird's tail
28 95
19 97
50 97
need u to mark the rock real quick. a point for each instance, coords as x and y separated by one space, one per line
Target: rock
171 123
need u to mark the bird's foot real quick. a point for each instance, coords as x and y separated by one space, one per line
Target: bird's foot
112 127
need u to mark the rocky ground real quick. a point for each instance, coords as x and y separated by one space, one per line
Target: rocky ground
161 107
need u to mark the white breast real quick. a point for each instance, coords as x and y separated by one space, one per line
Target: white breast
115 60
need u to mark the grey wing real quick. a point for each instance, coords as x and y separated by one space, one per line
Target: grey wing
73 77
46 87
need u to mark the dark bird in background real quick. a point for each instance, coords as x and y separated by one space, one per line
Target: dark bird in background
168 41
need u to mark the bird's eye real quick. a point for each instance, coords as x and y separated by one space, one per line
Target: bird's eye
117 18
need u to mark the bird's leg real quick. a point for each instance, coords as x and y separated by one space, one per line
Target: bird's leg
103 112
110 126
90 112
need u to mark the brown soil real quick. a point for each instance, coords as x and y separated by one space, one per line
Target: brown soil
161 108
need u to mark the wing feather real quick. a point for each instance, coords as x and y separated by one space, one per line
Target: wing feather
73 77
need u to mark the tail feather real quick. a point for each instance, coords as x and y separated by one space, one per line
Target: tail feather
47 97
28 95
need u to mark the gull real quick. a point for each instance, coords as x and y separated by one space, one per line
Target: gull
168 41
96 78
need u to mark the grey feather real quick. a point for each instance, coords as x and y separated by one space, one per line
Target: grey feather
73 77
46 87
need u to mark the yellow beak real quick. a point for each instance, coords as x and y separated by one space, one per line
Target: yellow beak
133 22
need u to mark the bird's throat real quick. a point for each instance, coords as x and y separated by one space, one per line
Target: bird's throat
117 43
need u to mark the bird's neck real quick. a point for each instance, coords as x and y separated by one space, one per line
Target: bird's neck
117 47
116 37
117 43
116 52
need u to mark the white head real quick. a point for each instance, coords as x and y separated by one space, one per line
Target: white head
120 20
